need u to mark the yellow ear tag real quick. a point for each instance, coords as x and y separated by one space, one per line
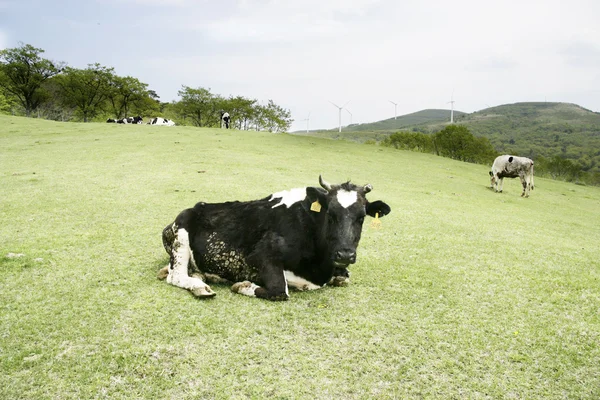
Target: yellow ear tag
316 206
376 223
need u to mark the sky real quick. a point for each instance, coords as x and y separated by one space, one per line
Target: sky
307 54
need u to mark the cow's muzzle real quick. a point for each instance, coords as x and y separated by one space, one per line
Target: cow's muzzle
345 257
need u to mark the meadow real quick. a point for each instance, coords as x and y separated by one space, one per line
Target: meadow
462 293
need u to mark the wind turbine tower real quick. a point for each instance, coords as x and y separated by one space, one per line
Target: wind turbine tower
451 108
307 119
395 108
340 113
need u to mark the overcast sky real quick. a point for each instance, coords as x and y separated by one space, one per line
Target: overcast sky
304 54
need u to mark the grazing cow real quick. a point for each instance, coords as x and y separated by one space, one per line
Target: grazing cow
304 238
225 120
161 121
111 120
507 166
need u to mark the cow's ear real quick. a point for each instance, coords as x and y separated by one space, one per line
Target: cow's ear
378 208
317 194
491 173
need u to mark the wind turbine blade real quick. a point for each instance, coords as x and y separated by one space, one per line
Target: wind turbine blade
346 104
335 104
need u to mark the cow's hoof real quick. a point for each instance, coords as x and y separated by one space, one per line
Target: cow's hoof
163 273
339 281
203 292
238 286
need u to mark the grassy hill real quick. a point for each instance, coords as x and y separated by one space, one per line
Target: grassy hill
526 129
461 293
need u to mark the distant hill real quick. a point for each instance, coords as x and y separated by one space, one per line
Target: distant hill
379 130
526 129
537 129
392 125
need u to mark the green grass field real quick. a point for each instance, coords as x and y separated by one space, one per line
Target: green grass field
461 294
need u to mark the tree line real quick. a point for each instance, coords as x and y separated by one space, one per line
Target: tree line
33 86
458 143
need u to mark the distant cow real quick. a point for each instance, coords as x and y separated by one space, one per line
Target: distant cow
303 238
507 166
161 121
225 120
135 120
127 120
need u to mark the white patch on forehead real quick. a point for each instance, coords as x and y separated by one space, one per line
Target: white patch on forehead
347 198
289 197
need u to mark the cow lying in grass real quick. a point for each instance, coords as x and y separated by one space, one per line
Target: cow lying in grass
301 238
161 121
507 166
126 120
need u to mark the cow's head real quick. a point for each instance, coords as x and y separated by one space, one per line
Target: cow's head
341 210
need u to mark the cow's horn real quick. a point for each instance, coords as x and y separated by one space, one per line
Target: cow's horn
324 183
368 187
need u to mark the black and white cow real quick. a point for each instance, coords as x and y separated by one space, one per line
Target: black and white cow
127 120
161 121
135 120
508 166
225 118
303 238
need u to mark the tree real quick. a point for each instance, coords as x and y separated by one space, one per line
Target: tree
275 118
454 141
559 167
242 110
23 72
5 103
417 141
200 105
86 90
129 94
54 108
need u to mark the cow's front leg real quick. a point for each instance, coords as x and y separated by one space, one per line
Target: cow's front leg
299 283
181 254
275 286
500 185
341 277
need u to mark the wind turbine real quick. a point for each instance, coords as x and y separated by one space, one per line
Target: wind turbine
395 108
307 119
348 111
452 108
340 113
